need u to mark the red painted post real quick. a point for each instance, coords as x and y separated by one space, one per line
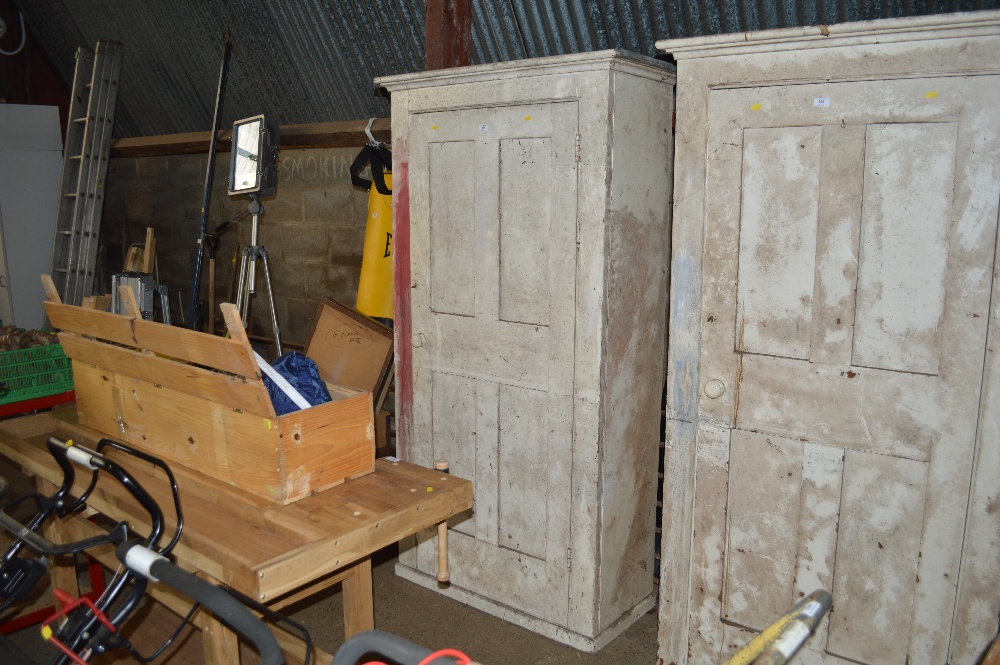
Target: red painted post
449 33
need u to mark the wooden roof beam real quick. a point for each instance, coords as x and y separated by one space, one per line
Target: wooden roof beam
449 34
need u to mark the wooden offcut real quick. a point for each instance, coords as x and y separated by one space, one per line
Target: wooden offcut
199 401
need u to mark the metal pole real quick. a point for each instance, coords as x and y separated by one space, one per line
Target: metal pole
209 176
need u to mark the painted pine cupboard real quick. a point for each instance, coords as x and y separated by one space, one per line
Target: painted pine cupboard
531 243
831 411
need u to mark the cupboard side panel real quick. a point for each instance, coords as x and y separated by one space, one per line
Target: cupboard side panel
634 331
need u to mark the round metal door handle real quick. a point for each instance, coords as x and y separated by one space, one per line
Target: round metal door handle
714 389
419 340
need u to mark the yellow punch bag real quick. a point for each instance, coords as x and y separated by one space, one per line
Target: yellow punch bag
375 286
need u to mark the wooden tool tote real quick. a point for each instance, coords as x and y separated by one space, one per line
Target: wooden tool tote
198 400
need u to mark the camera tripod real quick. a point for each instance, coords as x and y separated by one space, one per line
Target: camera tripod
253 253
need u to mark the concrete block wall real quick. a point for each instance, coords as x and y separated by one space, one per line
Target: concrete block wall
313 230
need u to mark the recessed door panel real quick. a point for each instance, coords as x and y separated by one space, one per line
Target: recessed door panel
452 233
905 219
778 240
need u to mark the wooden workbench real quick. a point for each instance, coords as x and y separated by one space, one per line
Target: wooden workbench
274 553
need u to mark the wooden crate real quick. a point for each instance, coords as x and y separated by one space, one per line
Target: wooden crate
198 400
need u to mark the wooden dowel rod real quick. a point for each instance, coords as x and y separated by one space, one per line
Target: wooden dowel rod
442 575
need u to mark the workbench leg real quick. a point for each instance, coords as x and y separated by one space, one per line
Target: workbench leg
63 573
359 612
220 643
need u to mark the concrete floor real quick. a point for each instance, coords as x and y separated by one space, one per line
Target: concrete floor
436 622
419 615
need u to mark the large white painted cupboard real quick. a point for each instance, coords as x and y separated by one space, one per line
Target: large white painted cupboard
531 235
832 407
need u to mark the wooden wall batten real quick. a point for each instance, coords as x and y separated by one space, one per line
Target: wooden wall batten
344 134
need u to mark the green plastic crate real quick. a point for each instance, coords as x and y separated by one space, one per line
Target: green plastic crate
36 372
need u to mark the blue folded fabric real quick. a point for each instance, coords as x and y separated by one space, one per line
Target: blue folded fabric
301 372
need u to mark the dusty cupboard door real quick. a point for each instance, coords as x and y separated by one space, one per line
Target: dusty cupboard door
847 276
493 242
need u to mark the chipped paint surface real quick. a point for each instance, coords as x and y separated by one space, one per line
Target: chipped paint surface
843 305
537 291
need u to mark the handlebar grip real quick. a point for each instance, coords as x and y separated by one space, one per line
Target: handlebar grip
226 608
397 649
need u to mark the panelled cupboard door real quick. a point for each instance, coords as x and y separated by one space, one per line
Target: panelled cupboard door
493 211
845 302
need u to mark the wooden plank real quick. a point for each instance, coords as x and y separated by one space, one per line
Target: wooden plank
133 259
455 402
189 345
237 392
978 603
239 448
216 439
50 289
99 400
326 443
344 134
67 425
63 573
149 252
709 553
359 612
306 592
822 475
346 523
234 324
102 303
129 302
842 167
522 506
881 517
220 644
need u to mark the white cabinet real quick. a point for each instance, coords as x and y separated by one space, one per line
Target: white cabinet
834 256
531 240
30 159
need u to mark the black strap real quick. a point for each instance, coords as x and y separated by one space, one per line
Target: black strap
380 159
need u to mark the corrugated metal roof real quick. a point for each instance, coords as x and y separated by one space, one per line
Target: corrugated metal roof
304 61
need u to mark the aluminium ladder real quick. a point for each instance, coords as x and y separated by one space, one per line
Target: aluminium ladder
85 166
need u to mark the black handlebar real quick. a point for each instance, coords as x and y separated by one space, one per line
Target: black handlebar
227 609
86 634
396 648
